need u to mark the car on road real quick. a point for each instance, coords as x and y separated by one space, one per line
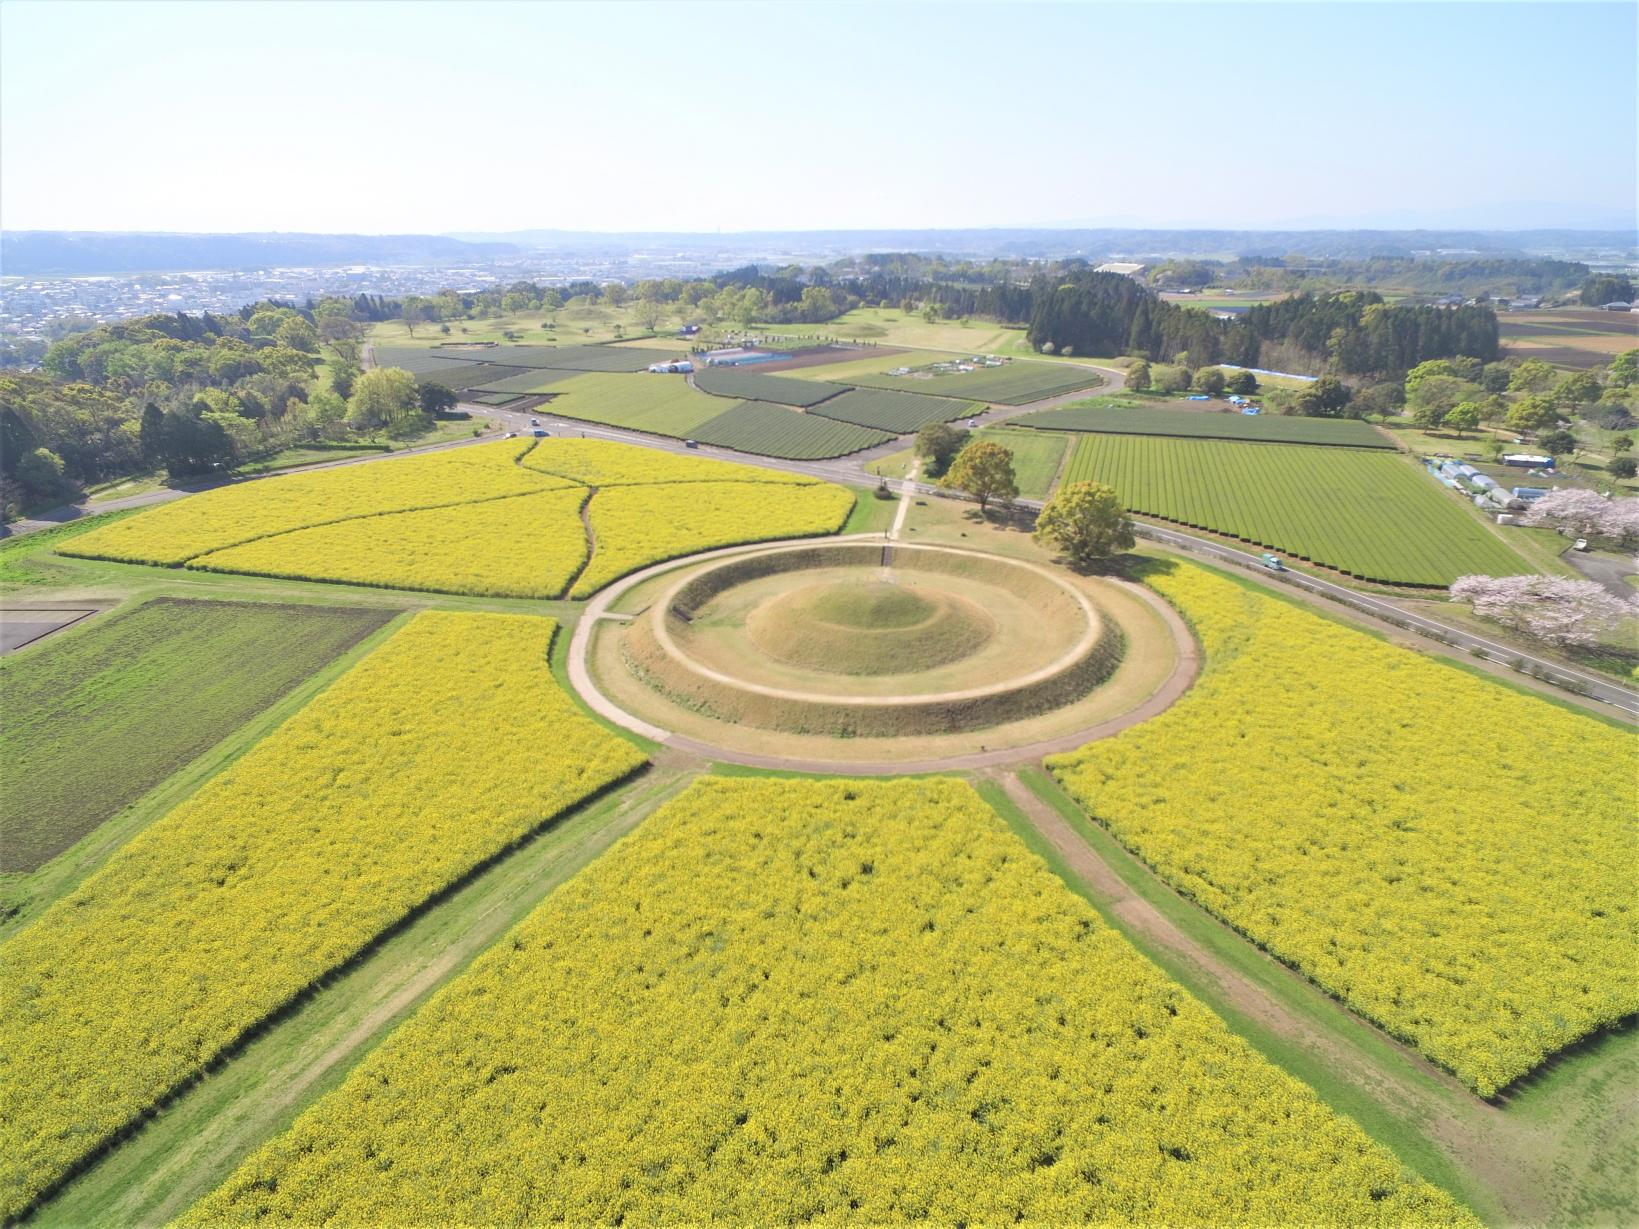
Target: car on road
1580 544
511 435
540 434
1273 563
534 422
691 443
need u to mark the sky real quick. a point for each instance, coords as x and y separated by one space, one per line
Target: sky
430 117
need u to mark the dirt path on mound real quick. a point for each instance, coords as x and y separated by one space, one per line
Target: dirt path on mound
1520 1161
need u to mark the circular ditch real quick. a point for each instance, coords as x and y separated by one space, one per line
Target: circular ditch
871 641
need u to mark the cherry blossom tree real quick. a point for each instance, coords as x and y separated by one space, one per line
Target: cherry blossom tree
1587 514
1567 613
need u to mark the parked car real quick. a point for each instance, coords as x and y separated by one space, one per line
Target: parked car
539 434
1580 544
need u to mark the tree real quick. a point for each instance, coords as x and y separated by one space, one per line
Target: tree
1085 521
1138 377
1208 380
1586 514
435 398
1464 416
1170 379
341 334
938 443
1242 383
1559 443
344 372
1532 376
386 397
1430 398
1568 613
1532 414
152 433
1624 369
1579 388
1621 443
41 473
413 311
297 334
1327 397
1604 288
1494 377
1622 467
985 471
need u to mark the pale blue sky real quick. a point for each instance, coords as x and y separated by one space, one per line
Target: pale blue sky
381 117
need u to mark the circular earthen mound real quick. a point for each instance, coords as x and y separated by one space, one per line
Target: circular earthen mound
871 641
868 627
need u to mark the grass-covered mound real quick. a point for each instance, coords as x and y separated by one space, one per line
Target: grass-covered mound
869 627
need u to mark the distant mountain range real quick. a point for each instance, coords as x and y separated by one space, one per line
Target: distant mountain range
68 253
32 253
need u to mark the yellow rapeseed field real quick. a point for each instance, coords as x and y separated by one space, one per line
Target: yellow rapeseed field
606 463
783 1001
437 751
1453 859
212 520
498 520
521 546
638 525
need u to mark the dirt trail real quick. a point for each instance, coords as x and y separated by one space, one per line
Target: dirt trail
1521 1162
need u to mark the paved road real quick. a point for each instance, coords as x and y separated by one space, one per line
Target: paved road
1606 571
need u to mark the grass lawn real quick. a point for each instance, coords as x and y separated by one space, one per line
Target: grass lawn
1037 456
100 715
889 326
661 405
21 557
867 365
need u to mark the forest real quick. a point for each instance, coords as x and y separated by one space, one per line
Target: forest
1350 333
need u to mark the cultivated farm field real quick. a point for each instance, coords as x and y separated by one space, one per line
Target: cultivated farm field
1109 417
1365 512
776 431
799 1000
499 520
1459 892
755 386
1013 384
660 405
96 718
329 831
896 412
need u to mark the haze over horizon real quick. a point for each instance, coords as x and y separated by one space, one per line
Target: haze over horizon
400 119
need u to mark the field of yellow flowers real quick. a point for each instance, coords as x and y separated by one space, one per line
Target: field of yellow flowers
1451 858
437 751
781 1001
497 520
213 520
639 525
520 546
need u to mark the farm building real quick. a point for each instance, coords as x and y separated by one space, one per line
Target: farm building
1124 267
1528 460
680 366
1530 494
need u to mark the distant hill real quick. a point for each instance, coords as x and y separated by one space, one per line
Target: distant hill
35 252
1051 243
